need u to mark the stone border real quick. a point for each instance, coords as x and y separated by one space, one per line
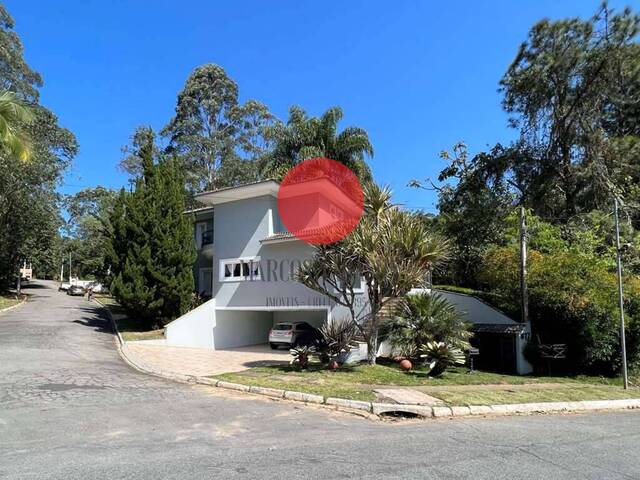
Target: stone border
24 300
375 408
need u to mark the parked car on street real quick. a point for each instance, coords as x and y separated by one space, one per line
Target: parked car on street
293 334
76 290
64 286
97 287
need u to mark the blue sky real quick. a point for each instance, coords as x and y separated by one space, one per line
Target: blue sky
417 75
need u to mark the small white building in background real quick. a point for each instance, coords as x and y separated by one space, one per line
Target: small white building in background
500 339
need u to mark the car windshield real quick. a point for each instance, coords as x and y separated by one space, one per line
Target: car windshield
283 326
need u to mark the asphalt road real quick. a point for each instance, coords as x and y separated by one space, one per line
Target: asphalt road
70 408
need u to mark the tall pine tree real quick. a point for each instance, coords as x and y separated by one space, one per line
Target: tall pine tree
152 245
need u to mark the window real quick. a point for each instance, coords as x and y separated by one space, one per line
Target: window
205 283
282 326
239 269
201 227
357 283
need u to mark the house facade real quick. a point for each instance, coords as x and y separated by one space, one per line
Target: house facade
246 264
245 273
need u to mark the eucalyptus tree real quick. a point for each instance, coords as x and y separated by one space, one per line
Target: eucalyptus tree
391 249
212 133
304 137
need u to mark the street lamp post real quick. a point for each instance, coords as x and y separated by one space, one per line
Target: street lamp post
623 345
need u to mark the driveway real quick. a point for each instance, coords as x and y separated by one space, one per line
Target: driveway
203 361
71 409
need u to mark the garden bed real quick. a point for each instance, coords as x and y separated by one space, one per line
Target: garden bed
454 387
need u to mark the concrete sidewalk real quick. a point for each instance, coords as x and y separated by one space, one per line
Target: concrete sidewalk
201 361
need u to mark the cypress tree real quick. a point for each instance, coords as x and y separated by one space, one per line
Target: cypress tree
153 245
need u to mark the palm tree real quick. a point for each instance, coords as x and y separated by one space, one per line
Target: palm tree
427 317
304 137
392 249
14 114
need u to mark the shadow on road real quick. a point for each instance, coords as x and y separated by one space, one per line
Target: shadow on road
31 285
96 320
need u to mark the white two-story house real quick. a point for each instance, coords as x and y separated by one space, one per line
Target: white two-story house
245 270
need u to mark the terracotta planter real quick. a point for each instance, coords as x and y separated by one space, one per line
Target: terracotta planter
405 364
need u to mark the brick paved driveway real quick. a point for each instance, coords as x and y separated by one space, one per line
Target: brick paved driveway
201 361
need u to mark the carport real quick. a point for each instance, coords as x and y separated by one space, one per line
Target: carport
243 327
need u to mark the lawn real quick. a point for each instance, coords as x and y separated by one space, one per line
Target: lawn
128 329
9 300
454 387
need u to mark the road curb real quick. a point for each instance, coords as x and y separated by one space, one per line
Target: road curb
24 300
375 408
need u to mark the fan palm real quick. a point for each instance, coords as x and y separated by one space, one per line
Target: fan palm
304 137
14 114
427 317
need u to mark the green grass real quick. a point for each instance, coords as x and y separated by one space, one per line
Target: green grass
9 300
129 330
564 393
454 387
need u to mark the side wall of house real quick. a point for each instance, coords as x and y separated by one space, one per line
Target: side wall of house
239 227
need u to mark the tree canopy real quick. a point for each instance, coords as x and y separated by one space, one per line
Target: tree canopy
29 203
212 133
304 137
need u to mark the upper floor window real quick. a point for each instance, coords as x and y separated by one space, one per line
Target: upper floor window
240 269
204 235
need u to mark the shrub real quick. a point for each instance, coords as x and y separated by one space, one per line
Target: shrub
427 318
338 337
439 356
301 356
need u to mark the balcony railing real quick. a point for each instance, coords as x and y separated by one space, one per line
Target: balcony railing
207 237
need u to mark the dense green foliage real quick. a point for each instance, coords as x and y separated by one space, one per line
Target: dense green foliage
572 92
572 300
88 231
29 218
152 249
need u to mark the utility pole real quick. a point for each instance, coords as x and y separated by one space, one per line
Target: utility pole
69 267
623 345
524 295
62 272
19 282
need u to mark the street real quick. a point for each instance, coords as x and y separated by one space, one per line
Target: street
71 408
